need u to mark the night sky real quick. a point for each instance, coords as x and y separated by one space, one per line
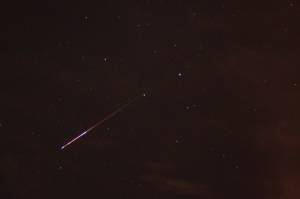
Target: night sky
219 119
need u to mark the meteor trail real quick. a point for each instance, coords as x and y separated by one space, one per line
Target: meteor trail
100 122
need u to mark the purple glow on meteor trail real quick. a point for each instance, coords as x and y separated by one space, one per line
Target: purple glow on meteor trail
74 139
100 122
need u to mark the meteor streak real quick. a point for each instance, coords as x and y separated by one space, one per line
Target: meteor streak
100 122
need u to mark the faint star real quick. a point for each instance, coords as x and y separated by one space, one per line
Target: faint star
105 59
179 75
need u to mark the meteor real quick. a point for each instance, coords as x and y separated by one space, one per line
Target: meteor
110 115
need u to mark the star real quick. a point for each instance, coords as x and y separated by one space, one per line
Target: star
179 75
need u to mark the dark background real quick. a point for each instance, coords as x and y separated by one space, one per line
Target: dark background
220 118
